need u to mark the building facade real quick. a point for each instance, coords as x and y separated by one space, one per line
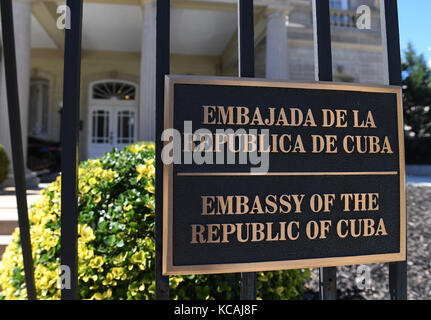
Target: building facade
118 59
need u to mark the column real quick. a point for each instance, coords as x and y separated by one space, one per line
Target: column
276 44
22 19
147 106
21 15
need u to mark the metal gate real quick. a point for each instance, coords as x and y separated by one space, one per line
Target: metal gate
70 125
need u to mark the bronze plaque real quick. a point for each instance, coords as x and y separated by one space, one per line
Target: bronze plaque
263 175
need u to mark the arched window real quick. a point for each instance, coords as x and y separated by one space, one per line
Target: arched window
38 108
118 90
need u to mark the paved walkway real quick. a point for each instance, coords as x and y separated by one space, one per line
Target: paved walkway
9 213
419 181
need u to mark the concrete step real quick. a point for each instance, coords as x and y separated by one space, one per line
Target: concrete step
9 214
4 241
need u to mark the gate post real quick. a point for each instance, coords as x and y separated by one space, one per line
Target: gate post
69 149
246 69
323 72
11 78
162 69
392 57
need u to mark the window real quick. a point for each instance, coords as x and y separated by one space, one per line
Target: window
126 127
339 4
39 108
100 134
114 90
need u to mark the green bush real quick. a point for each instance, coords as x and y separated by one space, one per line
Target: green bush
4 164
418 151
115 244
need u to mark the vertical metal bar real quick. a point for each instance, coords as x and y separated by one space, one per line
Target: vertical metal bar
390 32
11 77
162 69
246 69
328 283
69 147
398 280
246 38
248 286
322 40
323 72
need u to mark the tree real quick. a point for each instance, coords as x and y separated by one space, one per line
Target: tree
417 93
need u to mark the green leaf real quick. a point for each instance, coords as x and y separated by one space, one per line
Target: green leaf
109 241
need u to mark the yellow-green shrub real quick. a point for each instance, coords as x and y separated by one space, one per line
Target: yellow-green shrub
116 244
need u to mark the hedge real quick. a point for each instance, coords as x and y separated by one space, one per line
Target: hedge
4 165
116 244
418 151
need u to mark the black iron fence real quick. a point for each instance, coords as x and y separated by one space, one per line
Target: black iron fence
70 130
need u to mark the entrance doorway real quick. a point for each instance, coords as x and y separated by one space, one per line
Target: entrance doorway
112 116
